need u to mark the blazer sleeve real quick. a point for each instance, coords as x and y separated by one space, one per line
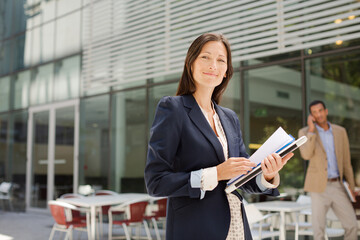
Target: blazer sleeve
160 177
307 150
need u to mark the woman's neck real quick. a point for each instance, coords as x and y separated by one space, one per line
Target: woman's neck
203 98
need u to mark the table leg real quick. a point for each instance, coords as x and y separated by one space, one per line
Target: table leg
282 226
93 221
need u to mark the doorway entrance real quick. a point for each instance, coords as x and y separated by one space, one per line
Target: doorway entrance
52 152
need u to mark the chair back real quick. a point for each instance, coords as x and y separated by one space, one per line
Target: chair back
303 199
137 211
75 214
253 214
5 187
105 192
162 204
58 212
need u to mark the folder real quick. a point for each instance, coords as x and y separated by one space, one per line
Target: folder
348 191
279 142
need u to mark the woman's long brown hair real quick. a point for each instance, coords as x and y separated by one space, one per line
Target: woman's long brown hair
187 82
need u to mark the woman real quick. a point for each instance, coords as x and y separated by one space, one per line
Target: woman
196 146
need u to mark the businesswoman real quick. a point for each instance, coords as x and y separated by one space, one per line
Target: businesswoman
196 146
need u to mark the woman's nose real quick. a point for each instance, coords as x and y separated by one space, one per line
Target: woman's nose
213 65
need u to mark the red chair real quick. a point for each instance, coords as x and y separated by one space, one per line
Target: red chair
135 211
159 216
76 215
64 222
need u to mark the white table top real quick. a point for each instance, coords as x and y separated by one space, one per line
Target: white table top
103 200
284 206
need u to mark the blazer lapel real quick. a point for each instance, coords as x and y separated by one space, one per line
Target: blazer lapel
228 129
202 124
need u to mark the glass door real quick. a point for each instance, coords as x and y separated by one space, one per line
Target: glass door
52 152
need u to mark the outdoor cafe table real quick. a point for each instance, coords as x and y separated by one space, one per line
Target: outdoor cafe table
93 202
282 207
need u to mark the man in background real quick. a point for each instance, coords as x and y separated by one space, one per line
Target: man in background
327 150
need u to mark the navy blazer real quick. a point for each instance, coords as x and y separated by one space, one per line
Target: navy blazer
182 141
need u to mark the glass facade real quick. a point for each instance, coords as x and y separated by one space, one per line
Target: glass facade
42 63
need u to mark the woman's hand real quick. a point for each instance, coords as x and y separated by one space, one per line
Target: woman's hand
233 167
272 164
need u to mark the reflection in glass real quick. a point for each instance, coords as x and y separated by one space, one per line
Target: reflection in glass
274 95
43 43
41 84
67 78
66 6
21 89
17 157
68 35
4 121
5 57
64 151
19 19
5 18
4 93
39 160
336 80
94 142
18 47
129 142
231 98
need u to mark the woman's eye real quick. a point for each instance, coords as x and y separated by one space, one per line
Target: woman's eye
222 60
204 57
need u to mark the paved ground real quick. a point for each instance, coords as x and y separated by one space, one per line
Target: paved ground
37 226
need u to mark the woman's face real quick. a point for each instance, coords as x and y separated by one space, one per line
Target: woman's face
209 68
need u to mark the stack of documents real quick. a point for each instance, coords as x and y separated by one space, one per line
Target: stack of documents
279 142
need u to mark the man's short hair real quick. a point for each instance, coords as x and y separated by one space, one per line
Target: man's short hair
315 102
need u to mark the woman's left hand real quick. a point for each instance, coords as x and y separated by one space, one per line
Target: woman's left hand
272 164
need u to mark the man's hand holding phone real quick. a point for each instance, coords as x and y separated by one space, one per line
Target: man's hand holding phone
310 123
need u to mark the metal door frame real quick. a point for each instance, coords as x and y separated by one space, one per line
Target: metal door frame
51 147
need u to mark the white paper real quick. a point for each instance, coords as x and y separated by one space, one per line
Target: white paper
278 139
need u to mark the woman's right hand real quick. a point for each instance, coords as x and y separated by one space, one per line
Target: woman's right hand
233 167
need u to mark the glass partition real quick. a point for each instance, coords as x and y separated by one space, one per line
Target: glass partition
274 100
129 142
94 142
4 94
335 79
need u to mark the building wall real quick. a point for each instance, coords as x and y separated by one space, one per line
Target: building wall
120 57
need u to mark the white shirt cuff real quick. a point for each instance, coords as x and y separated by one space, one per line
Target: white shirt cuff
209 179
263 184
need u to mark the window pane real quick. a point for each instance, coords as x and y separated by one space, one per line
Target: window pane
68 35
18 53
21 83
66 6
129 142
4 93
274 96
17 149
41 84
5 57
4 121
94 142
336 80
5 18
67 78
43 43
231 97
19 19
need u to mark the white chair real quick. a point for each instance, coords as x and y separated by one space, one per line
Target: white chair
5 194
254 216
85 190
